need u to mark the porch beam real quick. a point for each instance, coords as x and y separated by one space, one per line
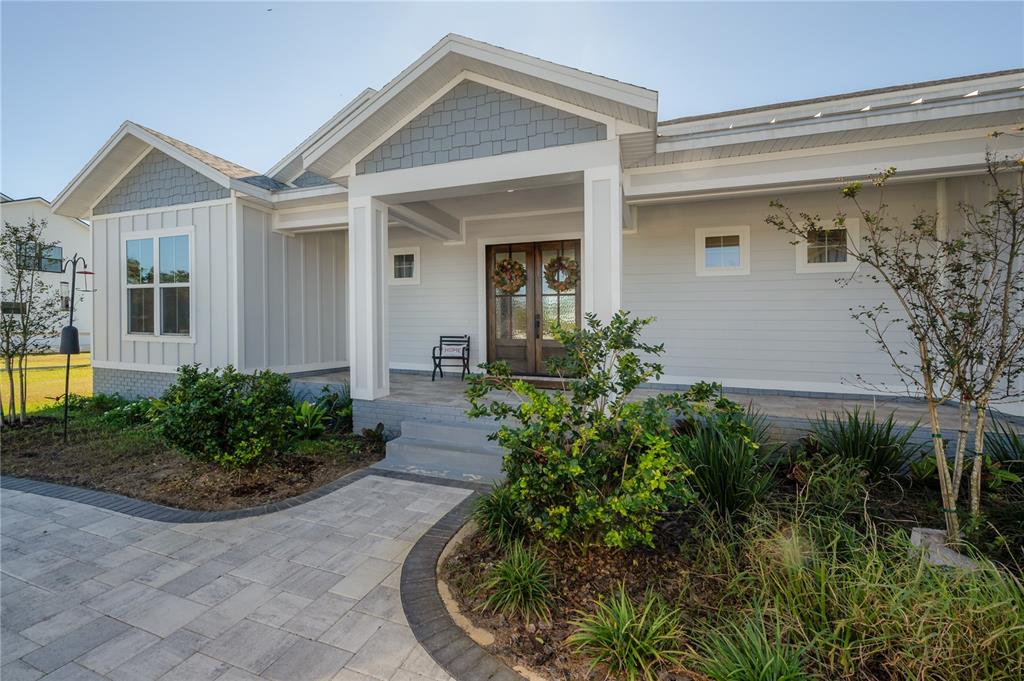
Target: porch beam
602 241
425 218
368 337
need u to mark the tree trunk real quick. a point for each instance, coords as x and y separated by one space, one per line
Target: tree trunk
941 464
961 446
11 410
979 456
23 392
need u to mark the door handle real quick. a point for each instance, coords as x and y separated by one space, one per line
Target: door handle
536 325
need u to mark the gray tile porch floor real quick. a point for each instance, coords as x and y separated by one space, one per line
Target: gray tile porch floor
415 388
309 593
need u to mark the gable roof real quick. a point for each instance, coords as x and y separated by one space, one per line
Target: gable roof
128 145
353 131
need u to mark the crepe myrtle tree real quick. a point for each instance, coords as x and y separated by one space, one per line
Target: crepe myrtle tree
958 297
31 308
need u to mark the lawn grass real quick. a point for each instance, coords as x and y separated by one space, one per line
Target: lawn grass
46 385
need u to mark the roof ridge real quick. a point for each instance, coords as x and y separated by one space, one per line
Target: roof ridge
229 168
841 95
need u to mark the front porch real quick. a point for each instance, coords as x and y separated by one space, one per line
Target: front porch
414 396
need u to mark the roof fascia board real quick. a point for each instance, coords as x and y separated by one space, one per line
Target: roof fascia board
131 166
923 112
119 134
854 100
180 156
299 193
951 136
597 85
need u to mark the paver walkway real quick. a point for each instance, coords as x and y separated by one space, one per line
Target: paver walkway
309 593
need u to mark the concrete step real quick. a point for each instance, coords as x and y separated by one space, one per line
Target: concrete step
442 459
472 433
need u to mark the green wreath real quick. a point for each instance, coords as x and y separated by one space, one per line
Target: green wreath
562 273
509 276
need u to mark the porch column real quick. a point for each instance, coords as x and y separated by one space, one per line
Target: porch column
368 340
602 241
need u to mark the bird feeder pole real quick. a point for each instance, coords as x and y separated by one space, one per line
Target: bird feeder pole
69 344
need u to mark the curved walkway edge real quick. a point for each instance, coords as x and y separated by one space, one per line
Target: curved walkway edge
445 641
150 511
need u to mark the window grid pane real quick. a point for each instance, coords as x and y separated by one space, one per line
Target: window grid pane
140 310
139 261
722 251
827 246
174 265
174 310
405 266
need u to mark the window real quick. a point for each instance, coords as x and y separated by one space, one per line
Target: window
41 259
13 308
722 251
158 276
828 250
405 266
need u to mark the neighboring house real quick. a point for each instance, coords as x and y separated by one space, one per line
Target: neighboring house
71 236
380 231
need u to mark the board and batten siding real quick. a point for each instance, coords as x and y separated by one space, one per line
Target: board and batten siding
447 299
293 296
774 328
213 323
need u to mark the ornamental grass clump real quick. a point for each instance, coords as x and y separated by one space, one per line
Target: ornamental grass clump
635 641
880 447
862 605
495 513
519 585
745 652
588 464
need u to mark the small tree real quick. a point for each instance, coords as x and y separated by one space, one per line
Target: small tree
959 297
31 312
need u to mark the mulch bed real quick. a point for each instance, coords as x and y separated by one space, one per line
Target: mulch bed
581 579
136 463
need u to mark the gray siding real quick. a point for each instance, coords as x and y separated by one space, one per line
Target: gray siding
475 121
213 323
293 297
158 180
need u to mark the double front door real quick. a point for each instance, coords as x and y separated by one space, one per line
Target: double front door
536 288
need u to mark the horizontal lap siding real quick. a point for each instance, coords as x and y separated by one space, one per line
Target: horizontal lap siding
446 301
773 326
210 274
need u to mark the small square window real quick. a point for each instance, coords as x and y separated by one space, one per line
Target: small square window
827 245
722 251
405 267
830 249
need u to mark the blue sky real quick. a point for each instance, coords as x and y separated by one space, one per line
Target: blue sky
249 84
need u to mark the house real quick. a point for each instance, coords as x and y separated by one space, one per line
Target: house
71 236
382 229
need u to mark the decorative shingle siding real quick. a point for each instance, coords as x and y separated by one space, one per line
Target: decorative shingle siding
308 179
158 180
474 121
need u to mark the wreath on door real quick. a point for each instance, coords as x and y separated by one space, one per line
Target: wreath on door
509 276
562 273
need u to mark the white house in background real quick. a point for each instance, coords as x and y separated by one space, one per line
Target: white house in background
381 230
71 236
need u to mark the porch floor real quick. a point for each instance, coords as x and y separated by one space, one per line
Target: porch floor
418 389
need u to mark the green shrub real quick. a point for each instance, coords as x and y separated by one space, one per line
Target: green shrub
225 416
859 436
309 420
337 406
130 414
728 472
588 464
519 584
495 513
636 642
744 652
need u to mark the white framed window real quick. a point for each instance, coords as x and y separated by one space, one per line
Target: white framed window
405 266
828 249
156 268
722 251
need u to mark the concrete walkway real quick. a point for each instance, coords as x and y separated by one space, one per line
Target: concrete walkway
306 594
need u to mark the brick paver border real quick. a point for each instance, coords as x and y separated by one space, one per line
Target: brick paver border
445 641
